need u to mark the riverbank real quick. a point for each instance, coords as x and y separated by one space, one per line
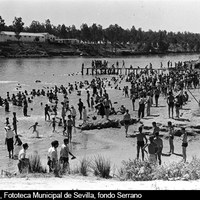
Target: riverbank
43 50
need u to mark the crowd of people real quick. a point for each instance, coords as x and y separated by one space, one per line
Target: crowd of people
146 87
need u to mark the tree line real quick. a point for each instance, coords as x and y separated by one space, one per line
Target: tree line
115 34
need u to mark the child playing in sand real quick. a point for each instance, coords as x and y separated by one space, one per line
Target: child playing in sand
53 123
34 126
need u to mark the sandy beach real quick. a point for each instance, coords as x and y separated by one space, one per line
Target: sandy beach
110 143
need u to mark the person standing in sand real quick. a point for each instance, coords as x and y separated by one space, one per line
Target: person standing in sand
9 141
159 144
15 122
46 112
170 102
80 107
23 164
155 128
64 156
140 142
69 127
126 119
34 126
152 150
171 137
184 143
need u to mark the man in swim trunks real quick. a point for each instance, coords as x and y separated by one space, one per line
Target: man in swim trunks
140 142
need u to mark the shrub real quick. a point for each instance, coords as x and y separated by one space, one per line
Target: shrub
180 170
35 164
101 167
136 170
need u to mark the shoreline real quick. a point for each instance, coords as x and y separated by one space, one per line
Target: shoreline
100 56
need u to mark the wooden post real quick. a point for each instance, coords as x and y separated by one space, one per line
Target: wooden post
92 71
87 73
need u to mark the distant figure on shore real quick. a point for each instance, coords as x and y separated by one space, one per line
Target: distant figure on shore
46 112
126 119
80 107
170 102
53 123
69 127
15 122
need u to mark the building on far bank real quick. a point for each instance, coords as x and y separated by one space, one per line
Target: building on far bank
6 36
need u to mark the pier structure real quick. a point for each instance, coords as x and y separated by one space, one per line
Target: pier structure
118 71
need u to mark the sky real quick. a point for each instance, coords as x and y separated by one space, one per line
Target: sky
169 15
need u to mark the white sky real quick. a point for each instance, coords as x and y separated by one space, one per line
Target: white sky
170 15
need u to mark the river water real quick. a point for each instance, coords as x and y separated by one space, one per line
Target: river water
21 74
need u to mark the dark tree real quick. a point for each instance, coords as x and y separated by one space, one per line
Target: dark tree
18 26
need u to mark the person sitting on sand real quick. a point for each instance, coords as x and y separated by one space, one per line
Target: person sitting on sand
121 110
140 142
34 126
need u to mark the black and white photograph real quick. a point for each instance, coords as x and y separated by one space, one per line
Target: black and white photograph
99 95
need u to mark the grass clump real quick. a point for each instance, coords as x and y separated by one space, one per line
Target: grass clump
83 168
101 167
35 165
